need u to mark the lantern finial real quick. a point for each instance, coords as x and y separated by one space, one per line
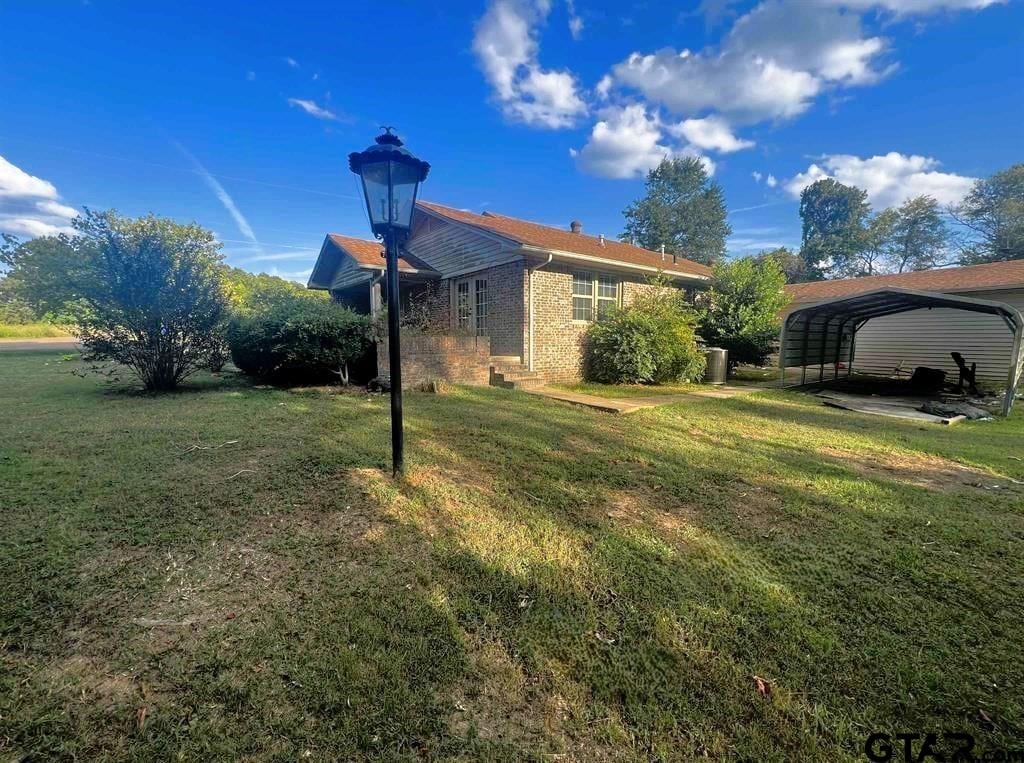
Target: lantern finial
388 137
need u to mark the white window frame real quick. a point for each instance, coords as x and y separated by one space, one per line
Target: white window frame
594 279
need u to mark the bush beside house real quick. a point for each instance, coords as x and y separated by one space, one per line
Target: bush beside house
651 341
298 341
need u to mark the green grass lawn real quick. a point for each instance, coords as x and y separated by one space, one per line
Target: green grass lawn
629 390
227 573
32 330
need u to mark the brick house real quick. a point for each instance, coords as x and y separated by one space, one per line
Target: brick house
530 290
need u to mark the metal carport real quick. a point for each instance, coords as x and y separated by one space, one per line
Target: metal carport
825 333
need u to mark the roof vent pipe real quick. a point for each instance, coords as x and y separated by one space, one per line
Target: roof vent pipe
662 252
576 226
600 239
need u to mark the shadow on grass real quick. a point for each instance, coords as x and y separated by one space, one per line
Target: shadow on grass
546 580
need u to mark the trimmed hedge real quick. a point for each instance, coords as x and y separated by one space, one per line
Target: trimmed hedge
299 341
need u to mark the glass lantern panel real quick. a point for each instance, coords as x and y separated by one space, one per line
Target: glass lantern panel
375 184
404 180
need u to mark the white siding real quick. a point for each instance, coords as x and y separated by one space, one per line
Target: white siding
926 337
451 249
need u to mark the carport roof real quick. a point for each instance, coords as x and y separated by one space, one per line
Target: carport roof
812 332
891 300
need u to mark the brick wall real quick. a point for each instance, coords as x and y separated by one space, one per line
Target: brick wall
427 358
558 340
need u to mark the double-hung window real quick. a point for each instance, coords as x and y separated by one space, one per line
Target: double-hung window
593 295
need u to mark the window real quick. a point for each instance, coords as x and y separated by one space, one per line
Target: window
481 306
583 296
593 295
463 307
607 295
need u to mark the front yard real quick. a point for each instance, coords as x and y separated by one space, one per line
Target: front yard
227 573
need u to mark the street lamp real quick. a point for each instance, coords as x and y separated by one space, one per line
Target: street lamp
391 177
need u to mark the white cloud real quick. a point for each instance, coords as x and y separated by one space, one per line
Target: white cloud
29 205
250 76
889 180
313 109
909 7
291 62
772 64
770 181
757 176
506 47
628 142
710 133
575 21
223 196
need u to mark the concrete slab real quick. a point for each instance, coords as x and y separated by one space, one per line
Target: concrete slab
51 343
632 404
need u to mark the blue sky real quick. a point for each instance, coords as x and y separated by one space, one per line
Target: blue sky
241 115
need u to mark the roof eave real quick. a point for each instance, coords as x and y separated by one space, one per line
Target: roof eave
560 254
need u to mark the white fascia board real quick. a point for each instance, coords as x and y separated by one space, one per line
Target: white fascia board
614 264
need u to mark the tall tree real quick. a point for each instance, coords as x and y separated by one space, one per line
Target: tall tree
683 209
873 258
918 237
834 227
992 216
789 263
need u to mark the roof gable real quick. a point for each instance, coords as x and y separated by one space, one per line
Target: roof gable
362 253
548 238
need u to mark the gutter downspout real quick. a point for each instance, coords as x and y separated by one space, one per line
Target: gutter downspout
551 256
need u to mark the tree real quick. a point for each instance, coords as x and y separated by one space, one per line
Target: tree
917 237
248 292
740 311
992 217
683 209
834 227
146 292
36 273
788 261
873 258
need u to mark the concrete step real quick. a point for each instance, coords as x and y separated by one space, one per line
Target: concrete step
518 378
506 359
517 383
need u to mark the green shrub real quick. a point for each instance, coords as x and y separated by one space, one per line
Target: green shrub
652 341
298 340
741 310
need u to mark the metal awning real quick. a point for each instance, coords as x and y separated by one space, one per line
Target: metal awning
824 333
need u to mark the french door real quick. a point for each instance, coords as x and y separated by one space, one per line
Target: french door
471 305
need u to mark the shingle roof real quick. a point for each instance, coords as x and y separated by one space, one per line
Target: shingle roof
370 253
995 275
546 237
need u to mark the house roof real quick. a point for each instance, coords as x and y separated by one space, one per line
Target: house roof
555 239
371 254
367 255
995 275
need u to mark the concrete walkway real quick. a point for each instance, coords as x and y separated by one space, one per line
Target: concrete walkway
51 343
632 404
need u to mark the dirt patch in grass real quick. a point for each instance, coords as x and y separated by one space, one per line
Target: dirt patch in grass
929 472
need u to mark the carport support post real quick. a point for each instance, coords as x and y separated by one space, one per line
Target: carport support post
821 351
839 347
1014 375
803 350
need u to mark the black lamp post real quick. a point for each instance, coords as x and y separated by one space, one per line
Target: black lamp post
391 177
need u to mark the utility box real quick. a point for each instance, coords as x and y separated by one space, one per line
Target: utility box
718 365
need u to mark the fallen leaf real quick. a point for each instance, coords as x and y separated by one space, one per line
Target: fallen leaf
763 687
140 716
